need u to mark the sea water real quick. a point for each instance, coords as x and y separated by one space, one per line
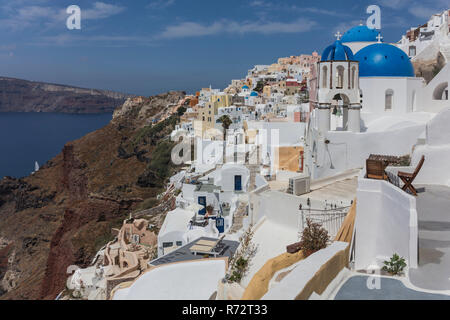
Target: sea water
29 137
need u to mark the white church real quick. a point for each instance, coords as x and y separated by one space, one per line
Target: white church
365 99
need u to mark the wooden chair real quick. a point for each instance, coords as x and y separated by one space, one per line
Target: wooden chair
408 178
375 170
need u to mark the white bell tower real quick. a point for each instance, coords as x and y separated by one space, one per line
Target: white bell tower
338 87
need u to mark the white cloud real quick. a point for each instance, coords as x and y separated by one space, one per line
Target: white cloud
194 29
160 4
394 4
321 11
420 10
69 39
101 10
260 3
21 15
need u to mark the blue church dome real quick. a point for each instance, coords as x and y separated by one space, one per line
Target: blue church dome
384 60
253 94
245 87
360 34
337 51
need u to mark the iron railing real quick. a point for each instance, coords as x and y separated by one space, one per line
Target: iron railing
330 219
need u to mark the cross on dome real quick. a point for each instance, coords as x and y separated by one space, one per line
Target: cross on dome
379 38
338 35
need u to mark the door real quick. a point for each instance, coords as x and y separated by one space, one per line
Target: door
202 202
237 183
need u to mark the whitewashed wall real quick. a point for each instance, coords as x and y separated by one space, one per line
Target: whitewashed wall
350 150
301 273
425 97
227 176
374 89
188 191
436 168
386 223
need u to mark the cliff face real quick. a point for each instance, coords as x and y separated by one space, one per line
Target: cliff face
27 96
63 214
429 68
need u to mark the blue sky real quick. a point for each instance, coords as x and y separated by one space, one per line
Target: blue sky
152 46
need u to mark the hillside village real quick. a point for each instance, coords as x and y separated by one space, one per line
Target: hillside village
351 143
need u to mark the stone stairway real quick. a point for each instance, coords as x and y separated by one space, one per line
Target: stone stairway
254 170
239 217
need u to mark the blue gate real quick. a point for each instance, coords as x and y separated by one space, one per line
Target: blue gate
220 224
202 202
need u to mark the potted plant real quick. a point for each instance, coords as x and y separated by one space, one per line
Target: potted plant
314 238
209 209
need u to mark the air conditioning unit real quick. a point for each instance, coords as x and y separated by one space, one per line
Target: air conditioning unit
299 185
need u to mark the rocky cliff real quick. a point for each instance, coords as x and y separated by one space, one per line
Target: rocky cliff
28 96
63 214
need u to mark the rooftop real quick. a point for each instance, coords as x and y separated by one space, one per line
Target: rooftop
207 187
184 253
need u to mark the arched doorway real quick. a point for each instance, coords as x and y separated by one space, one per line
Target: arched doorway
339 109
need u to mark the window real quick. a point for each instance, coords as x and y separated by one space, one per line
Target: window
167 244
340 77
324 76
389 99
179 243
412 51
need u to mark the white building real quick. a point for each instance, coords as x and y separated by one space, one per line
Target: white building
235 113
387 117
436 30
172 233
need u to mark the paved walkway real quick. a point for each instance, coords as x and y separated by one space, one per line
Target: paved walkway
433 209
355 288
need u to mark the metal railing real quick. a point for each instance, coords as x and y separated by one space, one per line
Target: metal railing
330 219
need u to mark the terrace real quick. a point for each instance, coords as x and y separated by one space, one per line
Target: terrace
433 271
355 288
424 235
185 253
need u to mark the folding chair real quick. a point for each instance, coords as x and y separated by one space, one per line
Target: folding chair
408 178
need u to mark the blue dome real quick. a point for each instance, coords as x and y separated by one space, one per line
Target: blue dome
360 34
384 60
337 51
253 94
245 87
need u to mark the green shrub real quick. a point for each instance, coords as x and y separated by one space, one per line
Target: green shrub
395 265
240 262
181 110
161 161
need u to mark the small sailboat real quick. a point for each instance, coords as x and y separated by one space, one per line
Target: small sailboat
36 167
